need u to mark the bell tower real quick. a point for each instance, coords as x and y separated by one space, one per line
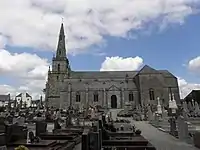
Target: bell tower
60 62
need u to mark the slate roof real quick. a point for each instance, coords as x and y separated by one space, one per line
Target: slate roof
102 74
20 95
148 70
27 95
117 74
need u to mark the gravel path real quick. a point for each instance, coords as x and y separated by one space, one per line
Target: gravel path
161 140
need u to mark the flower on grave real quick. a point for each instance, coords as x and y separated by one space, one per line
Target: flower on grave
21 147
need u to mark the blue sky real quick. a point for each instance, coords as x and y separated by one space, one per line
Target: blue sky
169 49
118 35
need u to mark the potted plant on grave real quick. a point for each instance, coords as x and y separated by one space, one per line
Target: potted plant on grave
21 147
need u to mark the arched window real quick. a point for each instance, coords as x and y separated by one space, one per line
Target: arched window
96 97
131 97
58 67
78 97
151 94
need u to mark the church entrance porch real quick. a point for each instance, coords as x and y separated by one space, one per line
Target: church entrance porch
113 101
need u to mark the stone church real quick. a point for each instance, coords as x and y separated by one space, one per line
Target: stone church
109 89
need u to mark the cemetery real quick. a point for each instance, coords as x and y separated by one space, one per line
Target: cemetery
97 128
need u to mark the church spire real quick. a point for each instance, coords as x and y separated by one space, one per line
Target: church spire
61 50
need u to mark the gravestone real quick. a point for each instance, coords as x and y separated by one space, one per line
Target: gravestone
190 107
156 120
150 114
196 109
14 120
58 115
185 114
182 128
165 114
68 121
21 121
100 139
85 140
56 124
94 141
185 107
2 125
41 127
173 129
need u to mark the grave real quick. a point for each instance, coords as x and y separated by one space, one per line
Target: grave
114 140
183 133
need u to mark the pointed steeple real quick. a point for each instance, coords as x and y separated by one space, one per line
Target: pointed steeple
61 50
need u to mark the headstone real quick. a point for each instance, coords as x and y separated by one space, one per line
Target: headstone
94 141
182 128
156 119
2 125
68 120
100 139
150 114
165 114
185 115
85 140
190 107
21 121
14 120
196 110
173 128
185 107
41 127
57 125
58 115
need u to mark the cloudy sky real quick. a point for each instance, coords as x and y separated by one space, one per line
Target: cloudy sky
112 35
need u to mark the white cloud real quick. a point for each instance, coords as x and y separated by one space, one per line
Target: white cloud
194 64
35 23
28 69
24 64
121 64
2 41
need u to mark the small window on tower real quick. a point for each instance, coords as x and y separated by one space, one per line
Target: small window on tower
131 97
151 94
59 52
96 97
58 67
57 77
78 97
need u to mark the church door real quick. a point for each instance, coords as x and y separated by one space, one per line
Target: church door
113 101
